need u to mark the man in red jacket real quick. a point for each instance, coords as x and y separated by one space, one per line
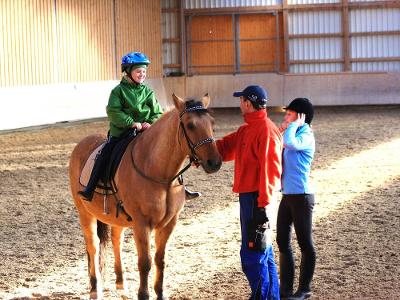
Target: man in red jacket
256 148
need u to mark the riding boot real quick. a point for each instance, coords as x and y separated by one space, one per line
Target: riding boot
191 195
307 266
88 191
286 274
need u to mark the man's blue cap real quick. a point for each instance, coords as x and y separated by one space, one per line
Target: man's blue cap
254 93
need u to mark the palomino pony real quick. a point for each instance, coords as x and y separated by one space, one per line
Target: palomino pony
148 188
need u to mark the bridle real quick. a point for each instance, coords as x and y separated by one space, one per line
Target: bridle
193 157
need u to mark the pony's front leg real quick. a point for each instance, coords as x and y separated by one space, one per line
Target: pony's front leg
142 240
117 237
93 251
161 236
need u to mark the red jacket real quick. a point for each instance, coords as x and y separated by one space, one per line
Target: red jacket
256 148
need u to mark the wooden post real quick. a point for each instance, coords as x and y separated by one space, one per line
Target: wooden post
182 28
286 36
277 45
346 36
236 38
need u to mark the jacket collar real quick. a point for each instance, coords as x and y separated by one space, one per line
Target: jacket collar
129 82
255 116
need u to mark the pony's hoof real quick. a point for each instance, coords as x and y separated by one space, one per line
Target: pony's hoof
161 296
95 296
120 286
122 292
143 296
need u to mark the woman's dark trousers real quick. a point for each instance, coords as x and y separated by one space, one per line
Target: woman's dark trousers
295 209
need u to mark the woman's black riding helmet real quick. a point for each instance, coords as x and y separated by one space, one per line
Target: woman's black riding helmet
302 106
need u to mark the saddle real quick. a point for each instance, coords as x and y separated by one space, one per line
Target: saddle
106 184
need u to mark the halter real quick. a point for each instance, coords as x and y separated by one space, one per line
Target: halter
193 157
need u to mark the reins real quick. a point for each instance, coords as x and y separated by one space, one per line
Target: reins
193 158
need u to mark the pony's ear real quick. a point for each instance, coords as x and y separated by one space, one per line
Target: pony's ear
178 102
206 100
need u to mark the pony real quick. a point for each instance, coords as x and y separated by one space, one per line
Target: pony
149 189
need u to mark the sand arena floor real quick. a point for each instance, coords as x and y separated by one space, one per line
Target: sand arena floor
356 221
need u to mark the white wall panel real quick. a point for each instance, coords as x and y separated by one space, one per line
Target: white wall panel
292 2
369 0
316 68
315 22
375 46
318 48
194 4
370 20
376 67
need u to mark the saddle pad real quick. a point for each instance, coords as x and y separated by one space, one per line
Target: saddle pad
87 169
104 185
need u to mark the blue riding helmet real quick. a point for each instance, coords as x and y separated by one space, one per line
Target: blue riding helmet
133 58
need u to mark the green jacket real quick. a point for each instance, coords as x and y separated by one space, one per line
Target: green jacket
129 103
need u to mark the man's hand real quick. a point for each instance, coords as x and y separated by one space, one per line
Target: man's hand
260 216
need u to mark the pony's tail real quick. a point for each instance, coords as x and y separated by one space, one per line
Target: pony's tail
103 234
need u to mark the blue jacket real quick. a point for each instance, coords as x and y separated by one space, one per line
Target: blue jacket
298 153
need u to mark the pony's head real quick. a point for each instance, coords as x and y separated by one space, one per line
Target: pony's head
196 132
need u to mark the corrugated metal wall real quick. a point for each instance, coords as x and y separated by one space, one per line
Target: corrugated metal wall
369 20
59 41
170 3
84 40
375 46
369 0
172 50
373 34
26 26
315 22
193 4
138 28
171 36
293 2
315 48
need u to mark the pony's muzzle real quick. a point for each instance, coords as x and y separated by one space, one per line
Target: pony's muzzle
212 165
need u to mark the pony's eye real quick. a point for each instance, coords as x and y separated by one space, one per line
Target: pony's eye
190 126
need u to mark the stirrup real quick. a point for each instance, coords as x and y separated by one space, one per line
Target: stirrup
189 195
87 196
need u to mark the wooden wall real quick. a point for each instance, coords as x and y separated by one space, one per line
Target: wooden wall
211 44
61 41
258 47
